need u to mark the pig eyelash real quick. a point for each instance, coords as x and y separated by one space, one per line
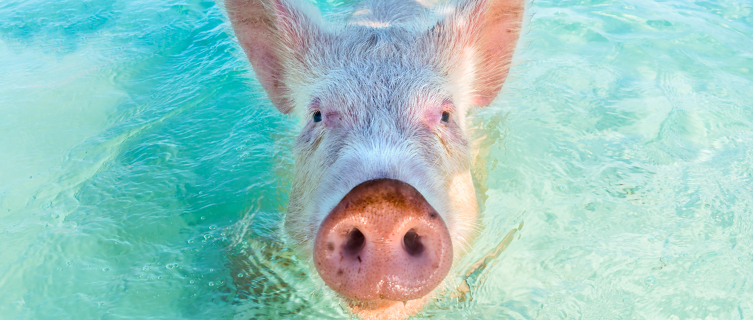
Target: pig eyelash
317 116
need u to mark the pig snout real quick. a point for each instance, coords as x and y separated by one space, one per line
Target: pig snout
383 241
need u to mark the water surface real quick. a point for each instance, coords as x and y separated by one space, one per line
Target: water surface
144 173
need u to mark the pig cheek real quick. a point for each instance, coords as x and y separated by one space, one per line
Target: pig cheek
299 221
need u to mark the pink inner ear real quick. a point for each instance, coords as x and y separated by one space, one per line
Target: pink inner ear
270 32
499 34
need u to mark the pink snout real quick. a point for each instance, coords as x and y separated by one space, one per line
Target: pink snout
383 241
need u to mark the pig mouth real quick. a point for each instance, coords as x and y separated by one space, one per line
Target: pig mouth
383 242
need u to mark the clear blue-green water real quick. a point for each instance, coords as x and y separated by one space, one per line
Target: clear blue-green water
144 174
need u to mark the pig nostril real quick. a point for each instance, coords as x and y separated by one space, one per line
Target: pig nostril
355 242
412 243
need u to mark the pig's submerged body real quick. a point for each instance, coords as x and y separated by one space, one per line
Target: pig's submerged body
383 200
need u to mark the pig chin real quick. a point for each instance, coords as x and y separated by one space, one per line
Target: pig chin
382 246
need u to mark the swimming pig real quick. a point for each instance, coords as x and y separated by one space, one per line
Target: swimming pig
383 200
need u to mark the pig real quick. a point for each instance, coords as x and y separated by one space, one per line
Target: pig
383 201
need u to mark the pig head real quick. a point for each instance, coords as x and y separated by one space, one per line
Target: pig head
383 200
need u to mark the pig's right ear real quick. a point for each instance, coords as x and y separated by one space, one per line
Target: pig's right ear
275 35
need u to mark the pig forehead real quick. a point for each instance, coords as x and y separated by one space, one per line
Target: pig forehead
380 84
386 85
375 65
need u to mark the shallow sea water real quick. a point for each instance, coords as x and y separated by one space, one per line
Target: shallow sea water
144 174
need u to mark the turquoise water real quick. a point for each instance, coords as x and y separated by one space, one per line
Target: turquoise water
143 172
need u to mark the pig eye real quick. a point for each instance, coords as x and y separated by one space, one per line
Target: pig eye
445 116
317 116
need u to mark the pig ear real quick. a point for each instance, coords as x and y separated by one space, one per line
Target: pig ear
274 34
487 31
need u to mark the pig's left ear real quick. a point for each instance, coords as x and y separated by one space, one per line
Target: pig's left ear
483 33
275 34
